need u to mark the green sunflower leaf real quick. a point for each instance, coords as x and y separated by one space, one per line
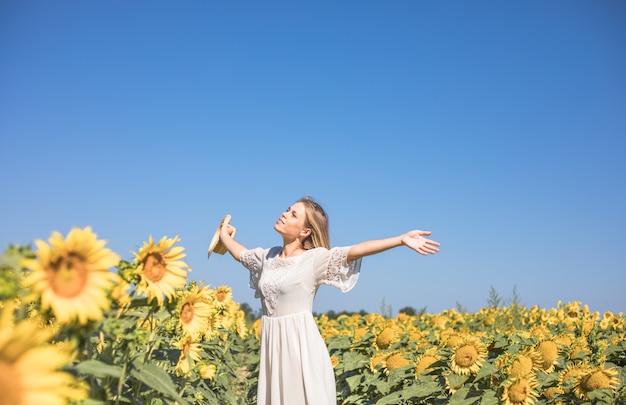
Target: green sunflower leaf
486 370
460 397
339 342
456 380
98 369
156 378
424 388
352 361
602 395
391 399
489 397
353 382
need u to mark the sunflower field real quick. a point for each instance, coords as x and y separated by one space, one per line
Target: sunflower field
80 325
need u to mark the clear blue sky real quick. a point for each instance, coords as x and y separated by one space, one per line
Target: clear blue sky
498 125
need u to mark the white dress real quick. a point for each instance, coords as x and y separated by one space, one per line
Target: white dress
295 366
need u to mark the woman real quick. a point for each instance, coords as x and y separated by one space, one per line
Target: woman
295 366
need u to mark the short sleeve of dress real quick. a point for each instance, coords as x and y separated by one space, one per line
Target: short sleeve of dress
334 269
253 260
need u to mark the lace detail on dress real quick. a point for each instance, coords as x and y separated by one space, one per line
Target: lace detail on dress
247 258
340 273
272 280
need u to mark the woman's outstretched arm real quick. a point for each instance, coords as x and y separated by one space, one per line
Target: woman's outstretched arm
412 239
234 248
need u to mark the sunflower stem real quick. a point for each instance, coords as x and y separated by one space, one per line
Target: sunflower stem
120 382
151 341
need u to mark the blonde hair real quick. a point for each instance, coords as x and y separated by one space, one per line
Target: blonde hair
317 221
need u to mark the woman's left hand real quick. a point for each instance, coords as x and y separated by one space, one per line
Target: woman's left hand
416 241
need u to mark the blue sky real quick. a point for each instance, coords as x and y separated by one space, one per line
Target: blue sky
499 126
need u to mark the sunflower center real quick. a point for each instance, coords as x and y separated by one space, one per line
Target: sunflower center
186 313
359 333
221 296
573 373
518 391
549 352
10 386
466 356
383 340
67 276
376 360
521 366
154 267
424 363
594 381
453 341
396 361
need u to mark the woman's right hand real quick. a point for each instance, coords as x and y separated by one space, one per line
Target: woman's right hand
226 230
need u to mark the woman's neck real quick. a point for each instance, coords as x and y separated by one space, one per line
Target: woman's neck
292 249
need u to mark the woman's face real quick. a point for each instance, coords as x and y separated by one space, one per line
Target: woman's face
291 222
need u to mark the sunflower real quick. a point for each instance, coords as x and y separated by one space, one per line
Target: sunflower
374 319
189 353
570 375
71 275
597 378
586 326
451 339
424 362
468 356
489 320
439 320
240 324
207 370
578 346
376 361
194 310
563 340
395 360
214 325
329 332
223 296
605 323
550 393
353 320
385 338
618 321
228 316
160 268
30 368
520 391
256 328
548 351
358 333
403 318
540 332
416 336
334 361
523 363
